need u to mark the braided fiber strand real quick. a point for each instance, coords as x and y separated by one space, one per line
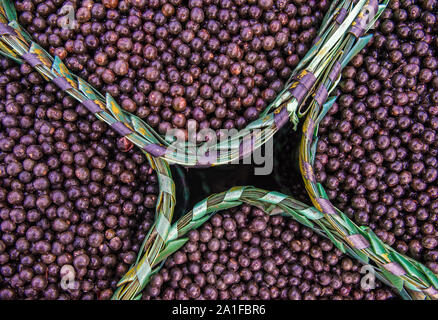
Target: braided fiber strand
152 246
53 69
16 44
401 271
271 202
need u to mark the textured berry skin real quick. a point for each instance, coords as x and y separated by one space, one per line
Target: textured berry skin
173 61
244 254
378 146
68 197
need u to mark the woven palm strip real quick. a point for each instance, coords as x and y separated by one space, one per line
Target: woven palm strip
273 203
13 36
290 104
402 271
